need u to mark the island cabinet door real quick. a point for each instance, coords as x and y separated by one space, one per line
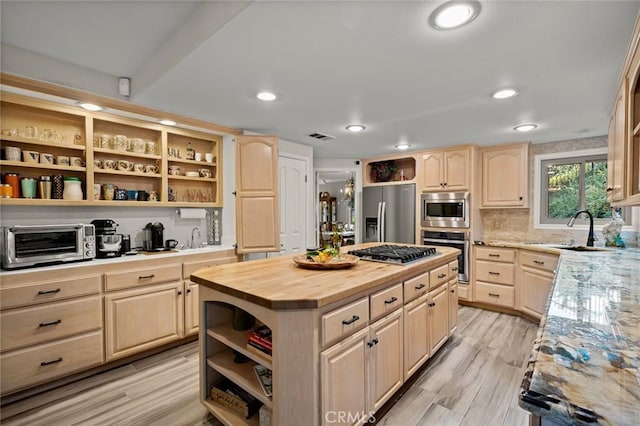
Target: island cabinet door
534 290
140 319
416 334
345 381
387 371
191 308
453 305
438 317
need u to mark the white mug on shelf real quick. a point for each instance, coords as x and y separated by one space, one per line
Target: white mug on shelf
198 156
208 157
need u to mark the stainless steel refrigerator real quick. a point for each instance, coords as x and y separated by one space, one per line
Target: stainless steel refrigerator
389 213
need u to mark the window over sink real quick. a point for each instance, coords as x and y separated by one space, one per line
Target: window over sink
571 181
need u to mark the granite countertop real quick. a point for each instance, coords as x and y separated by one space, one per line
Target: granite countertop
585 363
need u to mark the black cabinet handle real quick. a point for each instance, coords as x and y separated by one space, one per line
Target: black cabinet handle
609 189
144 277
432 304
442 275
520 198
455 269
392 300
179 292
188 290
494 273
453 291
47 324
493 255
57 290
55 361
370 344
351 321
420 287
538 262
494 295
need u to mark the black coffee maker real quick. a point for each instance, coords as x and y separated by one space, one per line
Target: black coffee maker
153 237
108 243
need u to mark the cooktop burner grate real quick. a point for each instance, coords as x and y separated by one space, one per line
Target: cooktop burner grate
397 254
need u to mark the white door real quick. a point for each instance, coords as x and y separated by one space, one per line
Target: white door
293 205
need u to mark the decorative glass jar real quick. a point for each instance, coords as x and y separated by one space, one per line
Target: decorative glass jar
72 189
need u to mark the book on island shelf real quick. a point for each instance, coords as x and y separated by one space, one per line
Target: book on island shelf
259 340
264 377
258 349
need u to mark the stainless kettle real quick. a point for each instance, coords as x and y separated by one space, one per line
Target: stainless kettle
153 237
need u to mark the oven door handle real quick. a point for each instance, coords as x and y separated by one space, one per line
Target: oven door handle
456 242
383 220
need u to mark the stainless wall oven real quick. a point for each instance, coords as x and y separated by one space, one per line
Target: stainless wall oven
445 210
459 240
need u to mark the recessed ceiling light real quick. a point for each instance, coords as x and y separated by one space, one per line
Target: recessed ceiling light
403 146
355 128
525 127
168 122
90 107
454 14
266 96
504 94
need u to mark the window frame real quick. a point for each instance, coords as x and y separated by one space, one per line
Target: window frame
540 200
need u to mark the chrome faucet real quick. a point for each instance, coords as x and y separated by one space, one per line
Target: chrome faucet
195 229
591 237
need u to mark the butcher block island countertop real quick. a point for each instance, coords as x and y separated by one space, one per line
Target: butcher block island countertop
277 283
343 340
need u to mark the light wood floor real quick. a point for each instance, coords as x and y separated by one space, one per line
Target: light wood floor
473 380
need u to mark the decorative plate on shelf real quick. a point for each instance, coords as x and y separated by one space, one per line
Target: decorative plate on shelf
308 262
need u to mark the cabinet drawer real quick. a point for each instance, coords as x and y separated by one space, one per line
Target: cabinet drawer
416 286
345 320
385 301
189 268
37 364
496 254
438 276
494 294
50 291
453 270
28 326
546 262
142 277
501 273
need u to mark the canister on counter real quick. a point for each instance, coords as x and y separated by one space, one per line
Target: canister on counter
13 179
6 190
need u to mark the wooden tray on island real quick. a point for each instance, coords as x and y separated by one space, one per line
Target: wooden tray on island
344 261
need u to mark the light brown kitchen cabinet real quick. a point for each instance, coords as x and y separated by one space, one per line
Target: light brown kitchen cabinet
257 205
447 170
387 374
495 275
453 296
345 374
416 334
617 148
438 317
505 176
535 279
141 157
191 308
143 318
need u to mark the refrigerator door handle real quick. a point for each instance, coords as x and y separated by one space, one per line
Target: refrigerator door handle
383 220
379 223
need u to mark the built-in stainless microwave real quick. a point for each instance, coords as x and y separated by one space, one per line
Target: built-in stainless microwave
445 210
34 245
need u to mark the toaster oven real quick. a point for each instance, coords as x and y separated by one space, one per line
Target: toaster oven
37 245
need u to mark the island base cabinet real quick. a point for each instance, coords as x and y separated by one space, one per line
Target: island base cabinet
416 334
140 319
362 372
345 381
453 306
438 318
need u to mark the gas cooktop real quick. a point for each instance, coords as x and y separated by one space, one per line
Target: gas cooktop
388 253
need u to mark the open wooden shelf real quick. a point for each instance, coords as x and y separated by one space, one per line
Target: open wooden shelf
237 340
241 374
230 417
41 166
48 144
126 153
194 162
126 173
201 179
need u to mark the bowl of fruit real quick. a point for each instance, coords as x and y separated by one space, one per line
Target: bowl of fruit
325 258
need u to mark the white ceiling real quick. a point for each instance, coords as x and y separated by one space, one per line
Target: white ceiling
336 62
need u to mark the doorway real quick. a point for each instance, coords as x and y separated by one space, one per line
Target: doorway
337 206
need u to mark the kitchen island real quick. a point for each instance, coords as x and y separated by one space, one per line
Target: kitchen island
585 364
344 341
